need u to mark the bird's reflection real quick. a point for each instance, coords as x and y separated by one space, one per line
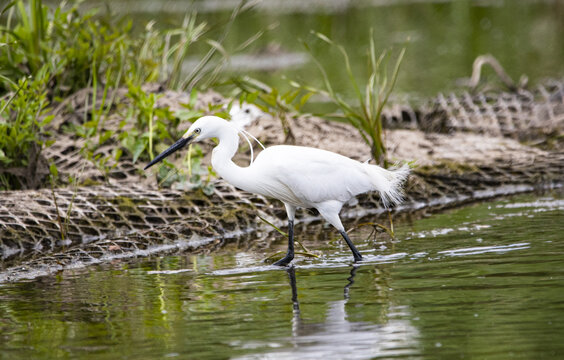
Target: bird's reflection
292 276
339 337
296 320
336 314
350 279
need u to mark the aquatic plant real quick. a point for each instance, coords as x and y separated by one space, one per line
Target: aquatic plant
372 97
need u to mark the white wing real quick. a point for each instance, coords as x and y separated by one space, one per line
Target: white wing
307 176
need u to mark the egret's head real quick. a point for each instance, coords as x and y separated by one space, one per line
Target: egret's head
204 128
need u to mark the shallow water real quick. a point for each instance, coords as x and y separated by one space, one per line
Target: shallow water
483 281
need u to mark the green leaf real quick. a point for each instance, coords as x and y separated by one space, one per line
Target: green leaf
53 170
138 149
193 97
290 96
117 154
305 98
105 136
8 6
252 97
218 47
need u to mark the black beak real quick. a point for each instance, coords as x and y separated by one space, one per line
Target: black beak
176 146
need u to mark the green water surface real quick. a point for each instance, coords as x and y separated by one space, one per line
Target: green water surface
442 37
484 281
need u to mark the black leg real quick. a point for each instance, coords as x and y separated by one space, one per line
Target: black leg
290 254
356 253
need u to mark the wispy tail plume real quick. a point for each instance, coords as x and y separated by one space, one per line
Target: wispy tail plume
389 183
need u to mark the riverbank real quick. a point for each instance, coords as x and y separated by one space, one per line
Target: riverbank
123 213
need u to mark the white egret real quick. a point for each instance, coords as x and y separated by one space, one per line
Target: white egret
298 176
243 114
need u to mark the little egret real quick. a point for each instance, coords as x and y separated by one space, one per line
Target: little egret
243 114
296 175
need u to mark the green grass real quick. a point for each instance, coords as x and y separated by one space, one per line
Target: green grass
371 96
23 115
364 112
48 54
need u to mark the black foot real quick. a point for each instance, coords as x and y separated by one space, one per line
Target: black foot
357 258
284 261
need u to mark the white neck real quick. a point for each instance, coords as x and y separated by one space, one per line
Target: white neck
221 159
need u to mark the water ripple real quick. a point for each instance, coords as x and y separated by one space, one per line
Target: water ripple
485 249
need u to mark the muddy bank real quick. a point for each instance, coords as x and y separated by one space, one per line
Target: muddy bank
125 215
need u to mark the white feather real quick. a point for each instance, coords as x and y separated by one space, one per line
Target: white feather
299 176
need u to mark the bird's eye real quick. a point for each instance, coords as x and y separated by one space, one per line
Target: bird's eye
198 130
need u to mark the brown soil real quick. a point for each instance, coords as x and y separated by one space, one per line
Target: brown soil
402 145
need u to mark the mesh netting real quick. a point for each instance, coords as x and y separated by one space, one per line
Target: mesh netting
125 215
525 114
44 220
103 222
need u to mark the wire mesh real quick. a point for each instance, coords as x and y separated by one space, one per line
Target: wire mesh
126 215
